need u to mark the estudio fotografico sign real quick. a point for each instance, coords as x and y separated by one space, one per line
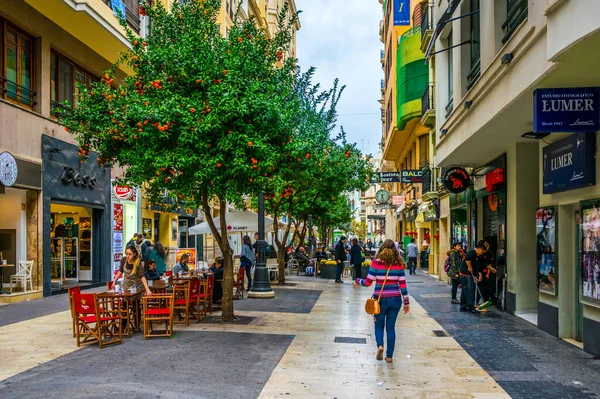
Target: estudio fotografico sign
574 109
569 163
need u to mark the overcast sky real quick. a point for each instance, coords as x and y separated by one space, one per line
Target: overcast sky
341 39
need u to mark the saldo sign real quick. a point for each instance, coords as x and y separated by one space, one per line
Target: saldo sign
71 176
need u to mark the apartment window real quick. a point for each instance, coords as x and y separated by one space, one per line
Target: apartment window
17 54
475 44
423 150
64 76
450 105
516 12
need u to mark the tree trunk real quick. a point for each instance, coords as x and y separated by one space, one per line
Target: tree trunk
281 246
221 238
303 232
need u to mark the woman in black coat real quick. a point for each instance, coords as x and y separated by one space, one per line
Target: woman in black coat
356 258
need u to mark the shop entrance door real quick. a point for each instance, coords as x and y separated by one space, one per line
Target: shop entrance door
8 239
578 272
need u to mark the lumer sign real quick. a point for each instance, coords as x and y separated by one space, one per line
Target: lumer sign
569 163
574 109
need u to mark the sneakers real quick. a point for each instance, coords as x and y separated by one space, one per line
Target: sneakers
455 301
380 353
389 359
339 281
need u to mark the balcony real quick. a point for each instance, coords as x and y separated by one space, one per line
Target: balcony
131 8
382 85
426 186
381 32
515 15
382 57
428 106
474 74
92 22
426 26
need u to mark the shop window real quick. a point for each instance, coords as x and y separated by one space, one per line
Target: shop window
17 77
64 76
423 150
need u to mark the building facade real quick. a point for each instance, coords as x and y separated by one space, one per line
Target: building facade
517 95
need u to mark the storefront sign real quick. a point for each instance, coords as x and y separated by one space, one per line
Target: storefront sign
569 163
389 177
494 179
71 176
376 217
118 217
546 249
398 200
123 192
382 206
147 227
572 109
401 12
8 169
411 176
456 180
192 256
431 211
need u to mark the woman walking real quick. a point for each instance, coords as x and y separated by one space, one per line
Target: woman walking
247 259
158 254
387 270
356 258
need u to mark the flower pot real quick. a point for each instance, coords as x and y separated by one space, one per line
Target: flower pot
328 271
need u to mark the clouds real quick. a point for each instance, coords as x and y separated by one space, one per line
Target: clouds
341 39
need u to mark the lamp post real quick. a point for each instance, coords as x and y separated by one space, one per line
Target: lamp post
310 236
262 284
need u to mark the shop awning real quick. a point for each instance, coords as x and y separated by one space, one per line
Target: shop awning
238 221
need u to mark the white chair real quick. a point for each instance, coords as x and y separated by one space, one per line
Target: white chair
22 276
272 267
290 266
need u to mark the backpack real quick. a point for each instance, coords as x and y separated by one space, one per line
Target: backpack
447 264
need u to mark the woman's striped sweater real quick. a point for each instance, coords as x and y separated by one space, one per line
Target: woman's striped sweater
395 284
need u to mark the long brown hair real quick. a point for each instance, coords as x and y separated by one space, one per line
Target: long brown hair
391 245
136 259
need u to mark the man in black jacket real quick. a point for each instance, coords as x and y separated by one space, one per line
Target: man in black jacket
340 257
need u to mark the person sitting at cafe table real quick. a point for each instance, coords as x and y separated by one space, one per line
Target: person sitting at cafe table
321 254
217 269
132 271
182 265
150 270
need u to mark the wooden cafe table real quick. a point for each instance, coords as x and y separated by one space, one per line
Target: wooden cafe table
133 307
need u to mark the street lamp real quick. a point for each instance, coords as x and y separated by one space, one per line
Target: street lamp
262 284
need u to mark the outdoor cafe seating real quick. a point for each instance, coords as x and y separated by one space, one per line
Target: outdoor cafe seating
96 320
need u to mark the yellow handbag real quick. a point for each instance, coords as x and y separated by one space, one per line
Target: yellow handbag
372 305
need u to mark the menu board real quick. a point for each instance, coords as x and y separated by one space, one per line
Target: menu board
546 249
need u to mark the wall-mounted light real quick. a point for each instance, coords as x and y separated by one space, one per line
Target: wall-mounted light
534 136
468 104
506 58
444 132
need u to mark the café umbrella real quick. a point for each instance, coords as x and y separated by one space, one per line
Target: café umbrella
237 222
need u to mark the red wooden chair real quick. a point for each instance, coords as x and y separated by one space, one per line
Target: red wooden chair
158 308
71 292
169 273
206 296
181 305
96 325
239 284
195 292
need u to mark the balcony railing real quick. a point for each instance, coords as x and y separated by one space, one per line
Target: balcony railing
425 23
516 12
474 74
449 107
382 55
132 15
427 99
16 92
382 85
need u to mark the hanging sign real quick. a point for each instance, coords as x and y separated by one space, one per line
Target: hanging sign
574 109
411 176
398 200
8 169
569 163
389 177
123 192
118 217
401 12
456 180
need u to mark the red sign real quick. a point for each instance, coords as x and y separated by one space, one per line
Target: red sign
118 217
494 178
456 180
123 192
398 200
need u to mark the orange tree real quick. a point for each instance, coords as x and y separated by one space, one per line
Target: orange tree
202 116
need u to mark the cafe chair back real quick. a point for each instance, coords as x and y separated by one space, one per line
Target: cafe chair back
238 284
97 321
181 306
158 309
71 292
23 276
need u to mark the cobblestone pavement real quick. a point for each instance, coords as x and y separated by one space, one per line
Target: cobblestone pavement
525 361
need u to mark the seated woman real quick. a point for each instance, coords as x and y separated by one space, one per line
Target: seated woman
150 270
217 269
182 266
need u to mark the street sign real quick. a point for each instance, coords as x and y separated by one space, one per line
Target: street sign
382 206
389 177
411 176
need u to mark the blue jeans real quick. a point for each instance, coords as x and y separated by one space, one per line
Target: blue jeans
467 295
248 276
386 319
412 265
